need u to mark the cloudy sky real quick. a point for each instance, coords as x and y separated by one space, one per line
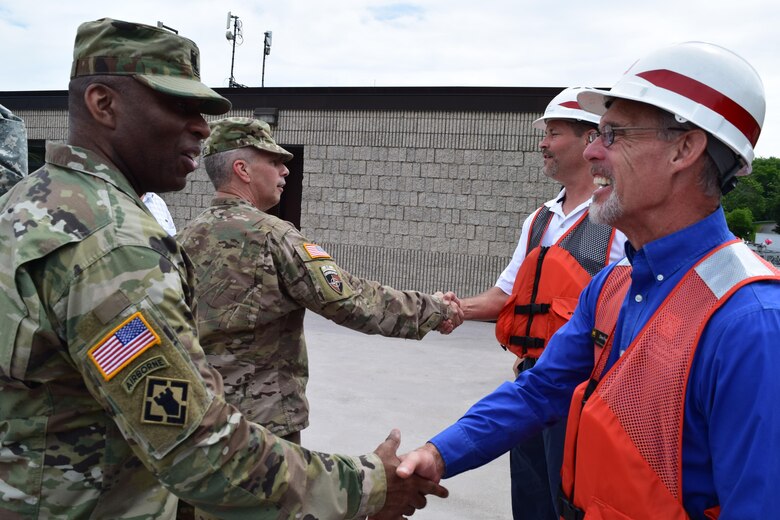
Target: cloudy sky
514 43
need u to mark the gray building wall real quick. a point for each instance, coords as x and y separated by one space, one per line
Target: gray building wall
417 200
425 200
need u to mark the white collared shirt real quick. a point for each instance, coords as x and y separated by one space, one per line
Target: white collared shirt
159 211
559 225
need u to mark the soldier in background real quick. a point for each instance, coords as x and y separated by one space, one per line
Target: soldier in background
13 149
107 404
257 275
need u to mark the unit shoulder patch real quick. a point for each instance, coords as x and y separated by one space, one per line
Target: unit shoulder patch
333 277
165 401
158 397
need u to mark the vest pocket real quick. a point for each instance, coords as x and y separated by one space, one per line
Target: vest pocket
598 510
561 310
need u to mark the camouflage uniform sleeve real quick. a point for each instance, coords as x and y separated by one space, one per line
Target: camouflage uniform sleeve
313 278
13 149
132 336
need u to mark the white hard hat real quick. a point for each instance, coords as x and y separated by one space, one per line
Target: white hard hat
703 83
565 106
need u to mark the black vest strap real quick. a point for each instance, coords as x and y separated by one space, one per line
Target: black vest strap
526 342
533 308
568 510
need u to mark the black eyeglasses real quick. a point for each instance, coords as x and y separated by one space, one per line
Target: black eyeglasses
608 132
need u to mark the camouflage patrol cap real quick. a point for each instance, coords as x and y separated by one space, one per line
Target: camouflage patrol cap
237 132
13 149
159 59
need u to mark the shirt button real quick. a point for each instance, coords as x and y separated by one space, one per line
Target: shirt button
638 298
660 278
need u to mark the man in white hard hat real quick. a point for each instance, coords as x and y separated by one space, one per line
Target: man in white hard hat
559 250
670 361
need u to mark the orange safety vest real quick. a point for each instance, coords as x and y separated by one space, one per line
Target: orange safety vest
549 282
623 449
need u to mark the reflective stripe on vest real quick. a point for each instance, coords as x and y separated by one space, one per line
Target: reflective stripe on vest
623 450
549 282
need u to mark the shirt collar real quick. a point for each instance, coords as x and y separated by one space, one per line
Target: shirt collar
683 248
556 205
230 200
89 163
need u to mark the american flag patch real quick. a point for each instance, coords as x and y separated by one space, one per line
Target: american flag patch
315 251
125 343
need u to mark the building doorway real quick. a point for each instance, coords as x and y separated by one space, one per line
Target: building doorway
289 207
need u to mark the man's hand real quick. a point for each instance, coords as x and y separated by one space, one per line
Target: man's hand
425 461
405 494
454 314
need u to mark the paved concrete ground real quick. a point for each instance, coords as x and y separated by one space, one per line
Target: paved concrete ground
362 386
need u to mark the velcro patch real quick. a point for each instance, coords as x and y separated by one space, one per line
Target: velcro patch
315 251
165 401
122 345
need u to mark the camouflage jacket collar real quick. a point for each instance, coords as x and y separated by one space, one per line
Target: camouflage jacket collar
89 163
231 200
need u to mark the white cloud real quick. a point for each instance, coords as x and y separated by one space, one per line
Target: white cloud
407 42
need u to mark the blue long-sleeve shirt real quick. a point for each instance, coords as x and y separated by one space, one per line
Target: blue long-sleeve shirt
731 431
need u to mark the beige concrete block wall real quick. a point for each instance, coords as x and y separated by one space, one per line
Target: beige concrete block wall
416 200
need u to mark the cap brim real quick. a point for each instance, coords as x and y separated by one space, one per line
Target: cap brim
281 152
540 124
210 102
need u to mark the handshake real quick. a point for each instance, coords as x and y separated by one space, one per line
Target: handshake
454 314
410 478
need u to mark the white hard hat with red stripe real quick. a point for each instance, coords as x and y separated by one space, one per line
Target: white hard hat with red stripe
703 83
566 106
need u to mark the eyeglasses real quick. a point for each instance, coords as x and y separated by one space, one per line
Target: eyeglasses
608 132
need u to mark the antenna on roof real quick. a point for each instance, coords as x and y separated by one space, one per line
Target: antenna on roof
234 35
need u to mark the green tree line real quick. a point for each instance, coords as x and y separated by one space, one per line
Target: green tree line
756 198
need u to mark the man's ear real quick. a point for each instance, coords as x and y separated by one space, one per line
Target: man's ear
690 147
101 102
239 168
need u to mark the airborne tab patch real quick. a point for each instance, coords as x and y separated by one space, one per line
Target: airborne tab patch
143 369
122 345
315 251
165 401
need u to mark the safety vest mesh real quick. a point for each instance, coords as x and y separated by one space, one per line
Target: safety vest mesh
549 282
645 391
589 243
607 310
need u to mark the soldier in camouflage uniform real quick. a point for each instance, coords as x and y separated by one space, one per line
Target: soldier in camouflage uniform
108 408
257 275
13 149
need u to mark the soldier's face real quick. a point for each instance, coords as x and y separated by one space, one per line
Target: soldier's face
158 138
267 175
